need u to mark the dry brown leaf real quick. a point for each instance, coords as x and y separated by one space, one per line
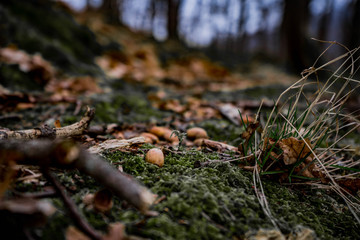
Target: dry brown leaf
294 149
8 171
73 86
116 232
41 70
103 200
72 233
57 124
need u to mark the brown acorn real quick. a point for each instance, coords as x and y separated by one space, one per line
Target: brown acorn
155 156
196 132
158 131
149 137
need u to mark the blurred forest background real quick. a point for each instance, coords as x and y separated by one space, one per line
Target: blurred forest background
238 30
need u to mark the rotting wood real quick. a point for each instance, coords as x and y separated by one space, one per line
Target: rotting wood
48 132
67 154
116 143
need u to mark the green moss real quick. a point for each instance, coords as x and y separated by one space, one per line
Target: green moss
14 79
218 202
126 108
222 130
37 26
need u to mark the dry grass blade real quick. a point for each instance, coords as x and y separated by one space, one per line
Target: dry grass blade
320 126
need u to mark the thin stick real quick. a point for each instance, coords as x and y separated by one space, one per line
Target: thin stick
71 207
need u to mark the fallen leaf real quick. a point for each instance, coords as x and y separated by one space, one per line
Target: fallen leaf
57 124
72 233
116 231
103 200
294 149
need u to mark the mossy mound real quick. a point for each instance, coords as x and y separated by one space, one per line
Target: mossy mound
218 202
39 27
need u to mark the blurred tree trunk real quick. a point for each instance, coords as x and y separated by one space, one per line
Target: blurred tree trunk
111 10
324 22
173 18
293 33
354 34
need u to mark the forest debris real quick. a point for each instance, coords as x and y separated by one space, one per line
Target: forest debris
246 135
230 112
264 234
171 137
103 200
35 64
116 144
71 207
72 233
218 146
68 87
303 233
294 149
159 131
149 137
66 154
7 173
47 132
295 153
155 156
33 212
196 133
352 185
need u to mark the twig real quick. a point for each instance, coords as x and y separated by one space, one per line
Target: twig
67 154
45 194
48 132
71 207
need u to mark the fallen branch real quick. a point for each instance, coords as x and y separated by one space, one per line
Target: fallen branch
48 132
66 154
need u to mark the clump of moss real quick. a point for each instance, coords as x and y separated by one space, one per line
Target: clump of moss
126 108
39 27
14 79
222 130
218 202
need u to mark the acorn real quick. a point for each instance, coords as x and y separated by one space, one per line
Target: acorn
158 131
170 137
155 156
199 142
196 133
149 137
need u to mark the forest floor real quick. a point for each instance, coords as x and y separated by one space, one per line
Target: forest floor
52 68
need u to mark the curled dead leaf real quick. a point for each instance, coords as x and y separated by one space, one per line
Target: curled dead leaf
294 149
103 200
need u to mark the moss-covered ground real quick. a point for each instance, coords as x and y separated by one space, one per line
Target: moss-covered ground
213 202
